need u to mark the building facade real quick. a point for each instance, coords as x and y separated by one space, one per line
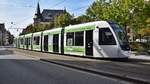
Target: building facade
46 16
5 35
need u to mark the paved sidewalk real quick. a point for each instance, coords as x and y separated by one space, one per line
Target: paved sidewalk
140 57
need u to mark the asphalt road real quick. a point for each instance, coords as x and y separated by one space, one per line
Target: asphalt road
15 69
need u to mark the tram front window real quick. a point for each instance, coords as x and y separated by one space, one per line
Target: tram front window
106 37
122 38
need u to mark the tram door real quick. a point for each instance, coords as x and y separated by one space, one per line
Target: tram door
46 43
89 43
56 43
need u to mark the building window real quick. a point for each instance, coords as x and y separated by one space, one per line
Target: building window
70 39
79 38
106 37
50 15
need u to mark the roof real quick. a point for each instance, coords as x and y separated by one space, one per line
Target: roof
49 15
45 11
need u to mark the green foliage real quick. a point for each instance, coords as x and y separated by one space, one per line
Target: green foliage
37 27
131 13
135 46
82 19
128 13
28 29
46 26
63 20
140 47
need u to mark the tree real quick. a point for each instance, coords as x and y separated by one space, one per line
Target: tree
63 20
28 29
128 13
47 26
95 11
144 32
82 19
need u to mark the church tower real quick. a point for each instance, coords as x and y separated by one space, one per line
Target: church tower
38 15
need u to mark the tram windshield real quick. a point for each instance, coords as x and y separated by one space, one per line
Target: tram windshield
121 35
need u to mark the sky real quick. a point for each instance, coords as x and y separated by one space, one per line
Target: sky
20 13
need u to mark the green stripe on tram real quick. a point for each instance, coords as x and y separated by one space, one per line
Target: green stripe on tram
74 49
82 28
50 48
36 47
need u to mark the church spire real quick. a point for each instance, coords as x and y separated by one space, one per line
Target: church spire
38 11
38 15
38 8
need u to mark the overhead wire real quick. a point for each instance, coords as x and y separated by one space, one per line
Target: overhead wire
79 8
32 7
55 5
20 21
72 10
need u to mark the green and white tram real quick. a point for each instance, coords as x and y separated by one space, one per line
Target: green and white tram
51 41
21 41
99 39
28 41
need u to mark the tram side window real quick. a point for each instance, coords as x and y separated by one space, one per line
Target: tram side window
70 39
79 38
25 41
37 40
106 37
21 41
29 41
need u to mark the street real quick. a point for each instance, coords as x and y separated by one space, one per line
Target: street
15 69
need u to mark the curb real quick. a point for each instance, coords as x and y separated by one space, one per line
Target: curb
139 59
143 60
100 72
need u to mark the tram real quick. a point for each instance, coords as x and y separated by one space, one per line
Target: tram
99 39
